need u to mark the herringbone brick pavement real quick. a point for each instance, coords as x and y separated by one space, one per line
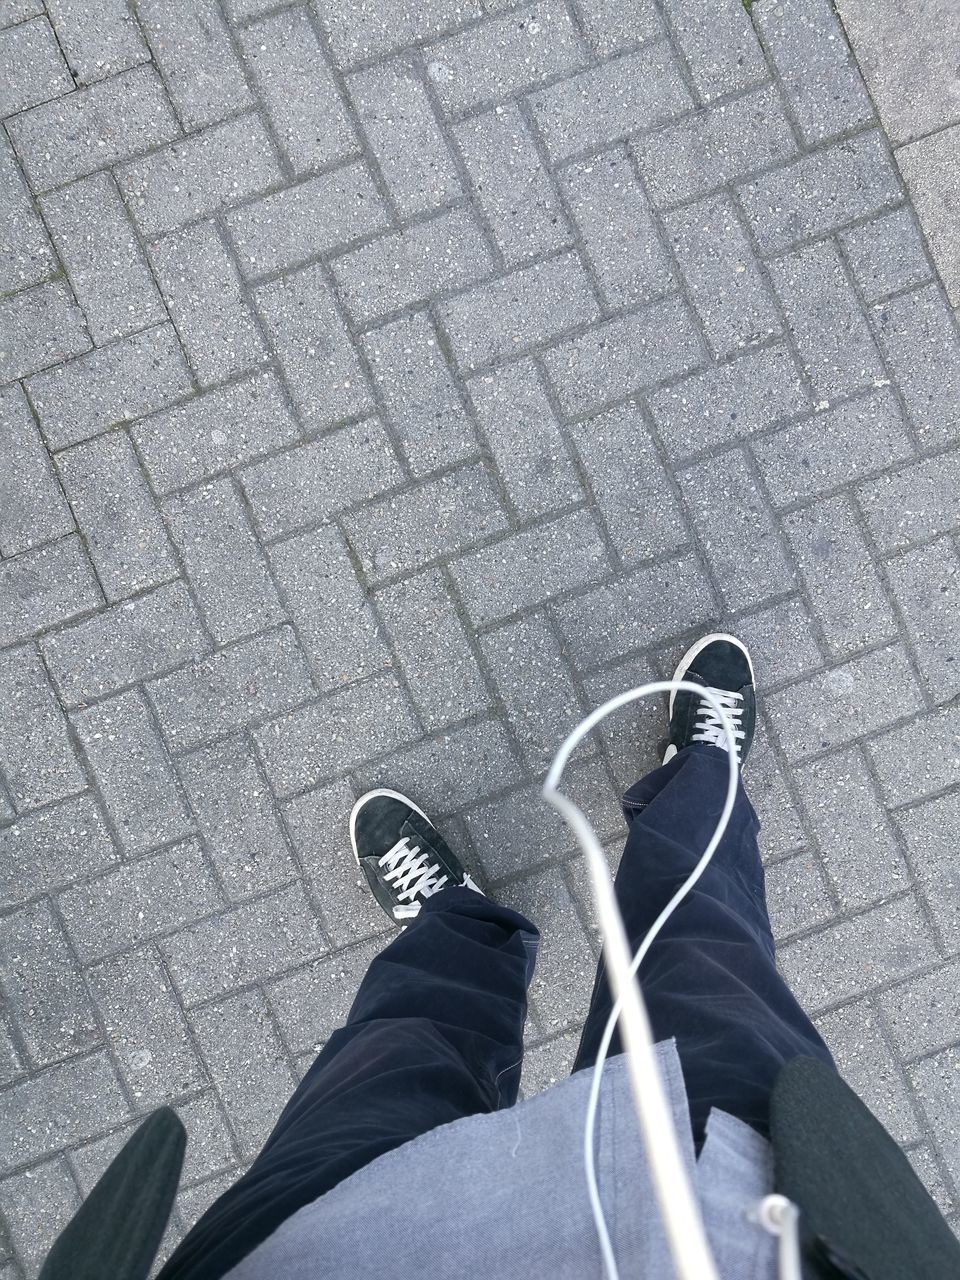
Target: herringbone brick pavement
385 385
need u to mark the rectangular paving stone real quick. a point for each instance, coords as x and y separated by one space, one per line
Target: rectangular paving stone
203 291
318 826
110 386
32 68
522 432
359 32
36 756
721 144
103 261
930 834
742 545
117 515
252 942
612 25
204 173
842 582
511 184
722 275
247 1063
781 827
439 517
797 896
329 607
530 306
332 735
506 53
52 846
923 1013
44 326
303 101
926 584
856 1038
663 600
38 1203
395 113
431 646
132 772
856 843
192 48
94 127
44 587
223 561
601 105
531 566
859 697
139 900
782 642
42 987
854 955
629 737
566 962
530 674
423 404
312 1003
214 431
408 266
912 503
821 80
285 229
32 506
620 235
27 256
629 484
832 335
65 1105
314 347
729 401
146 1027
820 192
98 40
621 356
237 817
227 690
450 770
720 46
918 759
312 482
832 448
921 345
125 644
886 254
935 1081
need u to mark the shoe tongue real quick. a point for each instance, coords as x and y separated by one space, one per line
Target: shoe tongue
419 832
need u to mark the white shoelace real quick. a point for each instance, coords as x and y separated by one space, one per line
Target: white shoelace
707 726
408 870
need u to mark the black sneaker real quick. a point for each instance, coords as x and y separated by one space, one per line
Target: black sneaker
403 855
721 664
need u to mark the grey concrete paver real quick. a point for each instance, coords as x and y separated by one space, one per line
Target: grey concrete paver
385 384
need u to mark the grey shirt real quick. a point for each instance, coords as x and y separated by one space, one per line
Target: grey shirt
505 1195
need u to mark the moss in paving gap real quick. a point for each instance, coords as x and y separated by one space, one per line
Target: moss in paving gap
748 5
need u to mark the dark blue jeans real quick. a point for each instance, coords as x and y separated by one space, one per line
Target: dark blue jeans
436 1030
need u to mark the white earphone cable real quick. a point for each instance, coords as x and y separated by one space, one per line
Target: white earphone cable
678 1207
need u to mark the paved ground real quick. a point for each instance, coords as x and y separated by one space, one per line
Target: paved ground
908 54
386 384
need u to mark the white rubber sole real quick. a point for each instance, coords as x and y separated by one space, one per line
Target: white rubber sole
686 662
369 795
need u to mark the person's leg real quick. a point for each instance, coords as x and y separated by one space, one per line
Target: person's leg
710 979
435 1033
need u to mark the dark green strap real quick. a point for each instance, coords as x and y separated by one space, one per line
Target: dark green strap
117 1230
